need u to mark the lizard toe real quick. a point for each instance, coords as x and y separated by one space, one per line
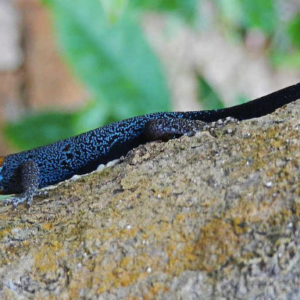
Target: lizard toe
15 201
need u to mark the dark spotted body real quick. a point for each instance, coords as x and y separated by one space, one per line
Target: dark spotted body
83 153
80 154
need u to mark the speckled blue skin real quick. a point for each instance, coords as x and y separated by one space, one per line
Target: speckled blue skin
83 153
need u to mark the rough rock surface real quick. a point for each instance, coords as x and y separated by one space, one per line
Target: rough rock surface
193 218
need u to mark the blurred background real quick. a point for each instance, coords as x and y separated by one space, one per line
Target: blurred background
67 66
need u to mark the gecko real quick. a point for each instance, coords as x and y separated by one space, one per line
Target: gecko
24 173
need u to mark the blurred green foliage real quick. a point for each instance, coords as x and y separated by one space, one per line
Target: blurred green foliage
249 14
187 9
113 60
210 98
46 126
103 43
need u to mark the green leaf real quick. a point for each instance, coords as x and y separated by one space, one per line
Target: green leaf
250 14
231 11
260 14
48 127
114 9
294 29
209 99
42 129
113 60
94 115
187 9
288 60
241 99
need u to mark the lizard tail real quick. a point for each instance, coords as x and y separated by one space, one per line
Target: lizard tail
252 109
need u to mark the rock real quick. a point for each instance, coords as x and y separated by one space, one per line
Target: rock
193 218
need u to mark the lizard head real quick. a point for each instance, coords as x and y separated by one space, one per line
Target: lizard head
2 158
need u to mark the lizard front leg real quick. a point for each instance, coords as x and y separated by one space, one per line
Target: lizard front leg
165 129
29 180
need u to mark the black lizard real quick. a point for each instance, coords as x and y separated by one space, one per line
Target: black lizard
25 172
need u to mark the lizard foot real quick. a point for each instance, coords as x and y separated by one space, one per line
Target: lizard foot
29 182
25 198
16 200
